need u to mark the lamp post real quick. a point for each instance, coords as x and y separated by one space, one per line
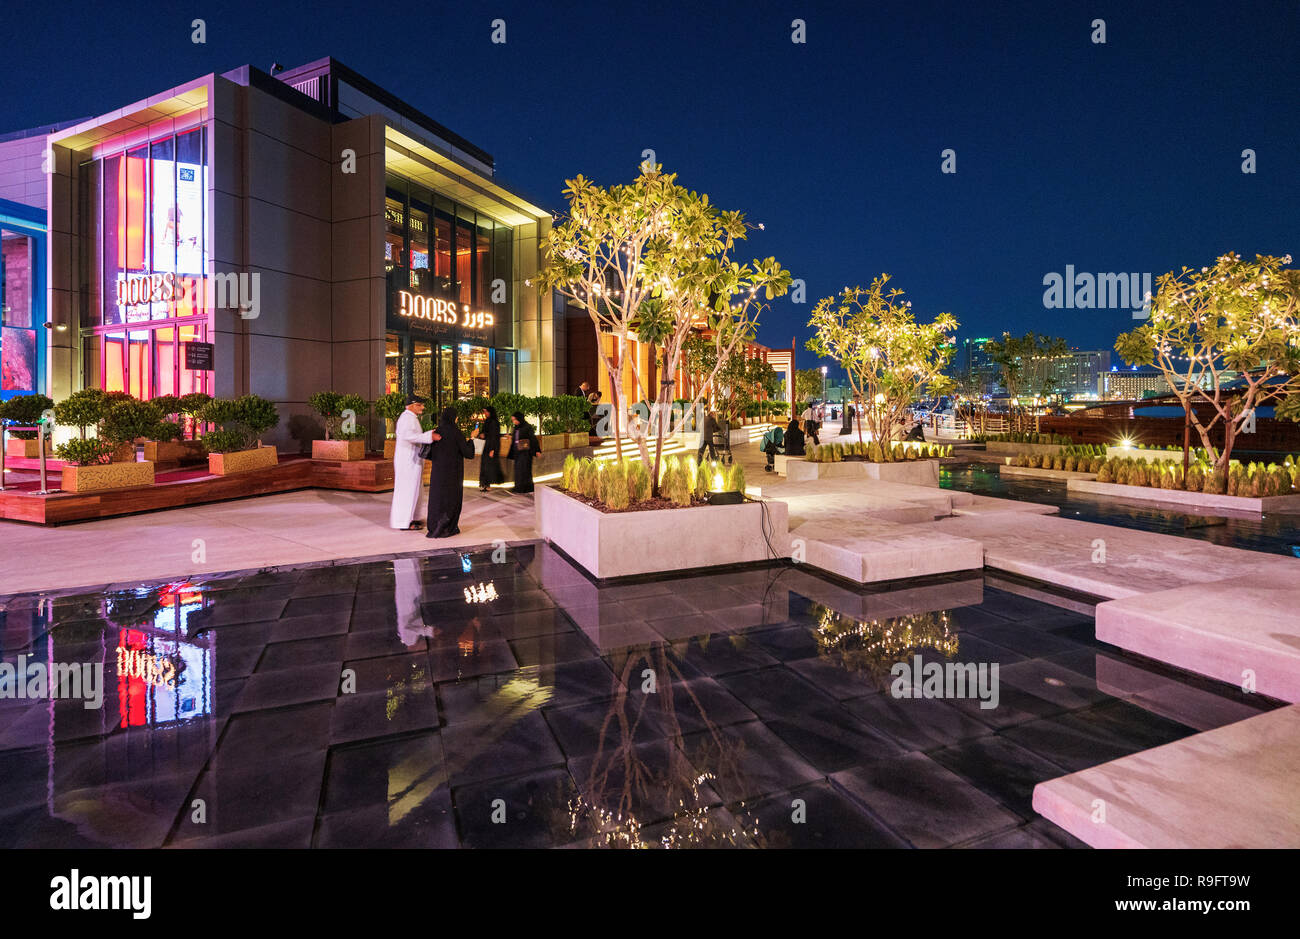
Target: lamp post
823 387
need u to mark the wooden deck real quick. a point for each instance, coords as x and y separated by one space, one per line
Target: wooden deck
373 474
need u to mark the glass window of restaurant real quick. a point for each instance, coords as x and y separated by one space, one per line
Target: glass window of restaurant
147 209
436 249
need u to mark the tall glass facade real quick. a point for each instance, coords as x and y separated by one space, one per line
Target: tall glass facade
450 308
145 264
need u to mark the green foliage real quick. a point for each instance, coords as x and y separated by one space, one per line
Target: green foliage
1105 474
614 488
639 482
81 409
807 384
332 407
226 441
126 421
567 470
24 409
167 405
194 402
166 432
85 451
390 406
240 421
736 478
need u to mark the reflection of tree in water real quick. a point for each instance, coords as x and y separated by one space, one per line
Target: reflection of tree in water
873 647
636 776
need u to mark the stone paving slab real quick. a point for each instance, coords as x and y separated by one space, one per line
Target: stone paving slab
1062 551
1224 629
866 550
1234 787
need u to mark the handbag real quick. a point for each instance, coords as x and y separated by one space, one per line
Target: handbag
426 451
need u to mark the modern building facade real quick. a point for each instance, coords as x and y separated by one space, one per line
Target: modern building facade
307 231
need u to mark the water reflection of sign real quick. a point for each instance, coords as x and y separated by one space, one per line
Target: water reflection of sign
438 310
149 668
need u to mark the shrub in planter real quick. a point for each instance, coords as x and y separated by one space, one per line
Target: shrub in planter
240 420
1215 482
191 405
90 451
639 482
24 410
736 478
124 422
566 472
390 408
81 409
331 406
1104 474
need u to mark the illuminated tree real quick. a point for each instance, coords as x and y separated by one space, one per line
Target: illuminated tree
807 385
890 358
651 260
1239 317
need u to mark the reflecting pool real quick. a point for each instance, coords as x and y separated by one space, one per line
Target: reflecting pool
500 699
1274 533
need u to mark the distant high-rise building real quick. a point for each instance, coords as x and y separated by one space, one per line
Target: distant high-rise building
973 359
1073 375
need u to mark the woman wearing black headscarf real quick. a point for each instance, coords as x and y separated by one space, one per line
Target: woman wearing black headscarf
447 479
523 446
489 468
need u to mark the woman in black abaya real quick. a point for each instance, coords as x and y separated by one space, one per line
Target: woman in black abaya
447 479
489 468
523 446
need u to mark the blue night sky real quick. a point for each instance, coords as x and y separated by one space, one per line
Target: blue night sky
1121 157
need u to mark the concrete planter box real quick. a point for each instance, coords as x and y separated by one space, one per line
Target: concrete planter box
912 472
553 441
242 461
338 450
1037 449
28 449
577 440
174 451
106 476
624 544
1138 453
1196 500
1043 473
390 448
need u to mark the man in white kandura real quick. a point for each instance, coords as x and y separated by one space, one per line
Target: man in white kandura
408 467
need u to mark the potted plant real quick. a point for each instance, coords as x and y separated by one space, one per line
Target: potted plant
25 411
390 407
124 422
345 438
88 467
234 446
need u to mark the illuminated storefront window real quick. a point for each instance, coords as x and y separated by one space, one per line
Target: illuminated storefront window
449 307
146 296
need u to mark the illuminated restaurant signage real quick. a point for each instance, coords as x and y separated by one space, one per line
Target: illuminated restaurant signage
134 290
438 310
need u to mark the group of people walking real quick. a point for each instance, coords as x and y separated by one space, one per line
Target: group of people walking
447 449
